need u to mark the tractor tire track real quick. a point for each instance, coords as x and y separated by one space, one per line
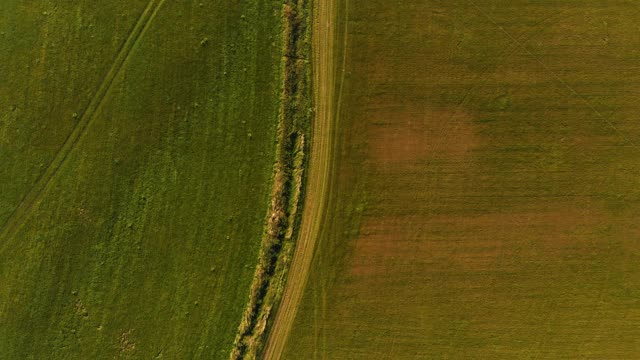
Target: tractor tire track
320 169
34 195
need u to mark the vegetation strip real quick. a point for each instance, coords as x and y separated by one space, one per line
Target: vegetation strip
319 171
287 195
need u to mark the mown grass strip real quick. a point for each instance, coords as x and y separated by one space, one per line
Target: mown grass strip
287 195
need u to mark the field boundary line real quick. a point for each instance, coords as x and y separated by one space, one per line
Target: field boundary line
295 116
320 168
336 116
26 205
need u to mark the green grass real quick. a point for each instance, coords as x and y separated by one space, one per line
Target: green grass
485 203
279 240
144 241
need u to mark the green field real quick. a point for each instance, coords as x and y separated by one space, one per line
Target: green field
137 141
485 199
471 189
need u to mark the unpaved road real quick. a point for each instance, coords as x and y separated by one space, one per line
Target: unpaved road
319 174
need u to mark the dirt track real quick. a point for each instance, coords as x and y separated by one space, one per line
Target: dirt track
319 174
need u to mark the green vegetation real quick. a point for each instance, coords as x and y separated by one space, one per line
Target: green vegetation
137 141
485 201
483 196
279 238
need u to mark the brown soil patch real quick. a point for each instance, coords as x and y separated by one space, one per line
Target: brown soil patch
126 342
504 241
400 135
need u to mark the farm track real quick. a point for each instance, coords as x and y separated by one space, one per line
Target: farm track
320 166
28 202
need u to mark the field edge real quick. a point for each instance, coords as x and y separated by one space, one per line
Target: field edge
322 166
288 183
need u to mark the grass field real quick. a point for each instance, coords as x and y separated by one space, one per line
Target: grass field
137 141
486 197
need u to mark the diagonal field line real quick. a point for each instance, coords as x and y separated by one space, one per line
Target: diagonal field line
605 119
33 196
